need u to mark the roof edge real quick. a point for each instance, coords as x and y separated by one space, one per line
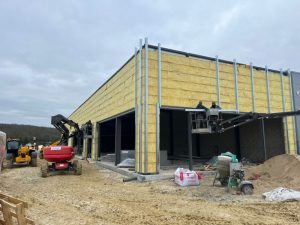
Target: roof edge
103 84
187 54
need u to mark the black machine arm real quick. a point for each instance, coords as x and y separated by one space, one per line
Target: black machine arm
59 121
224 125
210 120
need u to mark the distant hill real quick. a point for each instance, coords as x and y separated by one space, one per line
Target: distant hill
26 133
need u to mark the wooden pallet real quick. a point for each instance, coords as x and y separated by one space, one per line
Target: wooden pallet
13 207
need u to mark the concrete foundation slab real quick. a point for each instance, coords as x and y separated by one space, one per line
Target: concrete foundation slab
164 174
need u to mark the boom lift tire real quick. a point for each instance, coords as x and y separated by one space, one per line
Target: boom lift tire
44 169
77 167
9 161
33 162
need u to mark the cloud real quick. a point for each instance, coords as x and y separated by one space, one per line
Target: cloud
226 18
55 54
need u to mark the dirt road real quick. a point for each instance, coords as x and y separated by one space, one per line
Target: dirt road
100 197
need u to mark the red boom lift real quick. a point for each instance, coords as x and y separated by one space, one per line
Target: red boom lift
58 158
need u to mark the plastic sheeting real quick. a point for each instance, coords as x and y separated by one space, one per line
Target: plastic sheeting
282 195
2 148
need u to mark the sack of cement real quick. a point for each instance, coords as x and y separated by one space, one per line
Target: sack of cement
186 177
282 195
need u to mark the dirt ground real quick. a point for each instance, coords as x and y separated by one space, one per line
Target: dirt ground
99 196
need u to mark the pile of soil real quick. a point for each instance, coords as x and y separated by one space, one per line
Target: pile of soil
279 171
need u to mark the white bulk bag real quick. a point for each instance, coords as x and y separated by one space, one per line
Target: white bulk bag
186 177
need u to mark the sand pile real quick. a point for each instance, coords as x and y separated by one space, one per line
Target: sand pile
281 170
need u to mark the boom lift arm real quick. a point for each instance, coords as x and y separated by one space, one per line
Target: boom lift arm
210 120
59 122
249 117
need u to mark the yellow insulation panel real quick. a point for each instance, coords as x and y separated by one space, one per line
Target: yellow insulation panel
187 80
114 97
227 86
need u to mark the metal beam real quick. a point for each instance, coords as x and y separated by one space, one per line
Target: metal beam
115 116
268 88
146 109
252 88
236 85
218 81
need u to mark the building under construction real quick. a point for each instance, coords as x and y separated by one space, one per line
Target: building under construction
147 107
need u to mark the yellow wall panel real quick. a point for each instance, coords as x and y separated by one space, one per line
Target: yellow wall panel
185 81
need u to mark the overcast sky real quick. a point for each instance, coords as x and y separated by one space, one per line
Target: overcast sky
55 54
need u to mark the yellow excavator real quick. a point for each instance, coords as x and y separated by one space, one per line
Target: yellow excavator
20 155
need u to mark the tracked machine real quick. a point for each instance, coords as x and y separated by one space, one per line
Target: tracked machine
59 157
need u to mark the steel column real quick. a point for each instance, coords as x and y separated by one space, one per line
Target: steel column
140 108
135 99
264 138
157 137
268 89
146 109
218 81
98 154
118 137
284 109
158 105
252 88
292 108
236 85
135 78
159 73
189 133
